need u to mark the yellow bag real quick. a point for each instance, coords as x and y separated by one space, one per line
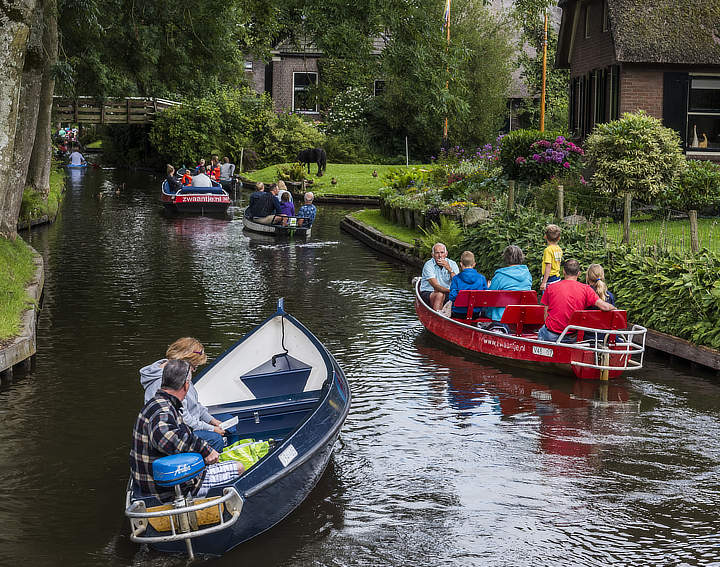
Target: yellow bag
247 451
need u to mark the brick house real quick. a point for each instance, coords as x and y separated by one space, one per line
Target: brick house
661 56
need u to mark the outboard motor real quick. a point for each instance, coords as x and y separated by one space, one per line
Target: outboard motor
174 470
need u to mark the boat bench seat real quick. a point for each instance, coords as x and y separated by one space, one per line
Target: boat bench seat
474 299
522 315
596 319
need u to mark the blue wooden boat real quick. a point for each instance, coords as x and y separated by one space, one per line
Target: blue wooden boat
80 166
284 386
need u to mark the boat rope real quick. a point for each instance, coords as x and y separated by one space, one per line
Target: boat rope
282 342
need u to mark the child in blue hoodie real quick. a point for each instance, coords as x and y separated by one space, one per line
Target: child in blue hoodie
514 276
468 278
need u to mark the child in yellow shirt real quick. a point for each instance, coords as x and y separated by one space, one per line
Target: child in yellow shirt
552 256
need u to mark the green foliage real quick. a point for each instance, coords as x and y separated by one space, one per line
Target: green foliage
517 144
347 111
227 121
34 205
16 258
448 232
697 187
291 172
635 154
353 146
417 63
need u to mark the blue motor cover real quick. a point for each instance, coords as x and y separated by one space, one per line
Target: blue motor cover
176 469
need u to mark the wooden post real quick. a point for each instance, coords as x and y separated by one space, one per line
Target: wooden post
561 202
544 75
127 109
694 243
626 218
242 151
407 154
511 195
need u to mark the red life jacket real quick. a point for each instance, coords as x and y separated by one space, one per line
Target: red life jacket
215 173
187 179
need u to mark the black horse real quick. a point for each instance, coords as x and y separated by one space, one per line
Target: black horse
311 155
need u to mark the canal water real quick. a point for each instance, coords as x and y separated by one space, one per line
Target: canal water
443 460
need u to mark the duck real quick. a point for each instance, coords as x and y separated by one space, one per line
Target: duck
704 142
333 181
374 173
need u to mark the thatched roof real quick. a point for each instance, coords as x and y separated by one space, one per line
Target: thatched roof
685 32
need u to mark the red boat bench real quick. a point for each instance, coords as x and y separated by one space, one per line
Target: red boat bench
610 320
523 315
473 299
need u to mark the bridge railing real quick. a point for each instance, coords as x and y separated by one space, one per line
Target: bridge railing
90 110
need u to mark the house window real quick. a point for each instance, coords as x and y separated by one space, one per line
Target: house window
248 65
303 99
587 21
703 126
606 18
613 92
378 88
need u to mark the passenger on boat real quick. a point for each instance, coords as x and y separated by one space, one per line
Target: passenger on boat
467 278
226 169
595 278
437 275
552 256
76 158
214 168
515 276
200 179
195 414
282 189
160 430
199 165
186 178
306 214
287 207
262 207
565 297
173 184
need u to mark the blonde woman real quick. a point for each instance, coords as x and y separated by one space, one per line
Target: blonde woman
595 278
195 415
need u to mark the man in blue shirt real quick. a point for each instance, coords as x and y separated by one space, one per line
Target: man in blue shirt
437 274
308 211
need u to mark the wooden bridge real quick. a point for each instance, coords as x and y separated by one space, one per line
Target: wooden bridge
90 110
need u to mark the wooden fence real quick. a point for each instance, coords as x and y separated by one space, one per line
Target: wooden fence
89 110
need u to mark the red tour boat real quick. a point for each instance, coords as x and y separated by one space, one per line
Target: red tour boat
602 346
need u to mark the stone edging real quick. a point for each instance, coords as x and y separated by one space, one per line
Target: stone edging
386 244
656 340
24 346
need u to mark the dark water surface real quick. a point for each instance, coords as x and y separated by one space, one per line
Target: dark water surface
443 460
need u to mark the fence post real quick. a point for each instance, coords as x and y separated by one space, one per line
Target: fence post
694 243
561 202
511 195
626 218
242 150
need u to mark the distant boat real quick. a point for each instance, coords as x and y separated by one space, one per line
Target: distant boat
202 200
72 166
277 229
282 384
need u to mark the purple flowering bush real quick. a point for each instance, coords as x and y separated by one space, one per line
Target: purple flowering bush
546 159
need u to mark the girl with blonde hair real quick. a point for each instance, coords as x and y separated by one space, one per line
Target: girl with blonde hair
595 278
195 415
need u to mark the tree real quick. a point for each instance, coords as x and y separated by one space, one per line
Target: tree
528 16
417 64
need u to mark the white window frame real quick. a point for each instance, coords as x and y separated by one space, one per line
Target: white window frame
248 65
295 89
691 151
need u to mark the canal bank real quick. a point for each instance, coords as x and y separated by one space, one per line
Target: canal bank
404 252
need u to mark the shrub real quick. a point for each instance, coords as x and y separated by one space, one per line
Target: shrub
448 232
635 154
347 111
697 187
517 144
291 172
353 146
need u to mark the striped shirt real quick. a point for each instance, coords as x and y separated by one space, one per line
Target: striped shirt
160 431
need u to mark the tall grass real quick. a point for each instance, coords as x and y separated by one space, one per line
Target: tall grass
667 234
18 270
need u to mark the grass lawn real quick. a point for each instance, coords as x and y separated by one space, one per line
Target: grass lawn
673 234
352 179
373 218
96 145
16 258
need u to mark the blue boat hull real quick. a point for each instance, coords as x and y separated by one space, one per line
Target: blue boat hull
271 490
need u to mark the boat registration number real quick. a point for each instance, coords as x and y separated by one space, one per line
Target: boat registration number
542 351
287 455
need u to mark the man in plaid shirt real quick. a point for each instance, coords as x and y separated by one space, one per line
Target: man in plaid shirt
160 431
